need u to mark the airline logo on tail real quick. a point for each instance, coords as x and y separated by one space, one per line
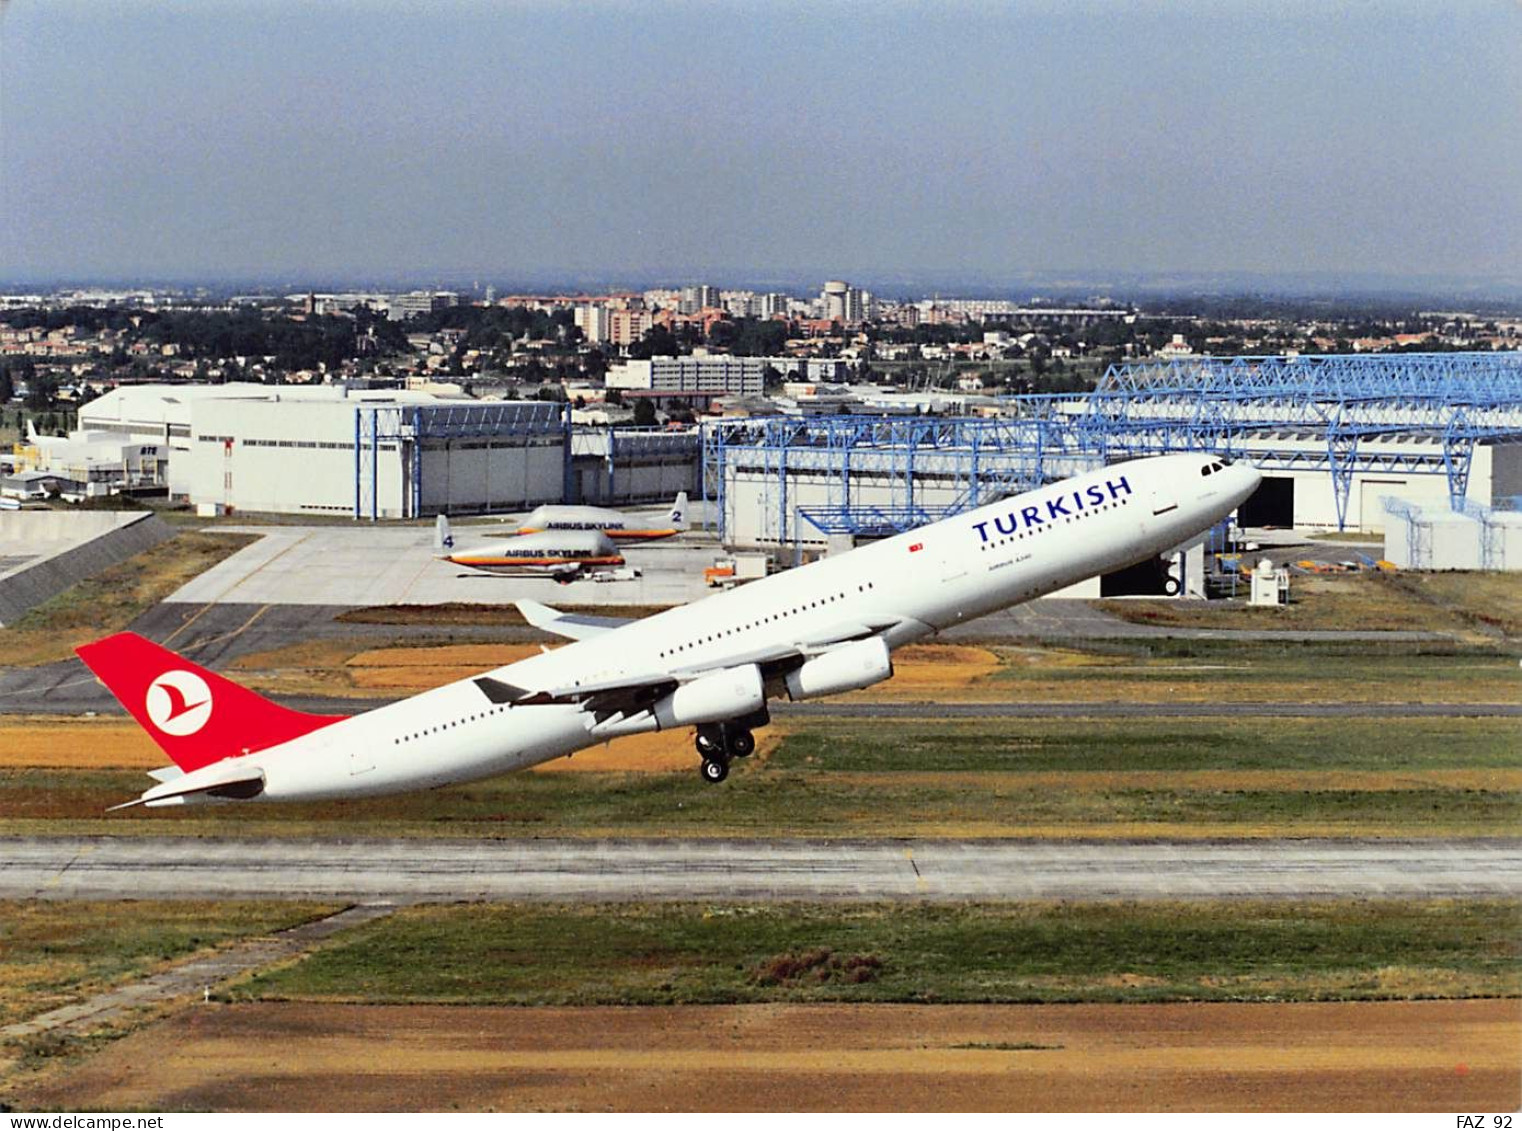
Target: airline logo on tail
178 703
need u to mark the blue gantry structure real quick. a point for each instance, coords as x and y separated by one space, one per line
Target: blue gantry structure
1335 414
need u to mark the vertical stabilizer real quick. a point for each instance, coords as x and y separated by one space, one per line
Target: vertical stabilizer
678 514
196 716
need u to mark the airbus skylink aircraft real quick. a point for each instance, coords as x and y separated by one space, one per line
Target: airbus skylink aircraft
819 630
617 525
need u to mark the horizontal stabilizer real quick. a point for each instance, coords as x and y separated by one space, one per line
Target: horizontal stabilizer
166 773
230 781
572 627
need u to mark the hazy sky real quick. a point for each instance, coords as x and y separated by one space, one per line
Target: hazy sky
517 140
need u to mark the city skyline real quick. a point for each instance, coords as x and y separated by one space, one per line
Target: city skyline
1000 147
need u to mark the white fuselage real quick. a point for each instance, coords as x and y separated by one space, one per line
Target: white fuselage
915 584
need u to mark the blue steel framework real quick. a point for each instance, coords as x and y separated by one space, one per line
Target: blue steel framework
401 427
1228 405
1223 405
977 459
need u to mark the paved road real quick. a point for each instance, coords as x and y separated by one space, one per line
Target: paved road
395 565
617 870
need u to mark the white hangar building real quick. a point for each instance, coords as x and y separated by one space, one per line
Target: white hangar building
328 450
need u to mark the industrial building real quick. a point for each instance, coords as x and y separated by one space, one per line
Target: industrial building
383 453
1440 537
1335 436
97 462
329 450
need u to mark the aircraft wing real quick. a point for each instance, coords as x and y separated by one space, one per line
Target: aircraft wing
571 626
636 691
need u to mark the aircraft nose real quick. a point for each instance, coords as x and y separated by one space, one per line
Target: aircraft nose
1244 478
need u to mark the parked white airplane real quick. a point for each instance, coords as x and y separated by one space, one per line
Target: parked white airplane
560 554
620 527
819 630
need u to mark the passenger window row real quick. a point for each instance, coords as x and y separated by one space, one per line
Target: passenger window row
447 726
770 618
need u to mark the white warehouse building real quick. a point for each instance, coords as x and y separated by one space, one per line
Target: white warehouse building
329 450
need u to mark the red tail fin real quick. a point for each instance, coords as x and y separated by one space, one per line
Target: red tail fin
195 715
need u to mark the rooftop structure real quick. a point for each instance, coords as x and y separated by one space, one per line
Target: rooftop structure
1323 424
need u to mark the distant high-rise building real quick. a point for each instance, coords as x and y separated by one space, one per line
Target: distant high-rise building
774 304
833 300
701 296
592 319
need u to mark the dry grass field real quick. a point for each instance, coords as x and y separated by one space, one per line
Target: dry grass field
1472 606
115 744
109 601
1364 1056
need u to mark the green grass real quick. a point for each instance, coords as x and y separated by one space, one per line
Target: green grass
1446 777
1118 744
1028 952
1229 671
56 953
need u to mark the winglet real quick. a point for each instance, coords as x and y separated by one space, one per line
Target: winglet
498 692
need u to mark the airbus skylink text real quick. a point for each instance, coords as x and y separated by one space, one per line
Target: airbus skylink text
1055 508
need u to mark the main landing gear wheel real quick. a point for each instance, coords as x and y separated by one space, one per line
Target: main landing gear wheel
709 744
714 770
741 743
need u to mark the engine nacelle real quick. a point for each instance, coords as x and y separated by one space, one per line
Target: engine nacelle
715 698
844 669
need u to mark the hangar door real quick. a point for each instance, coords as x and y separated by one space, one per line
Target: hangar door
1272 504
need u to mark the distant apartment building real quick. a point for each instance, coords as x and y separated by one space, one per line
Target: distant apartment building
719 376
628 326
592 320
698 297
399 307
677 376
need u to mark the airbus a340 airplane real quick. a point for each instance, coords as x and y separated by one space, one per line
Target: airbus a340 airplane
819 630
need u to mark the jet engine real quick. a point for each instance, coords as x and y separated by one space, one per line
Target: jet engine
726 694
849 668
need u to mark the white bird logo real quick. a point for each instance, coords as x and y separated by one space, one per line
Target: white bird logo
178 703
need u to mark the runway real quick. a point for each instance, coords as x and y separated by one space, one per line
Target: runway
405 871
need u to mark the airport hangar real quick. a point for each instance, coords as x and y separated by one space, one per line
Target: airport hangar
387 454
1336 436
